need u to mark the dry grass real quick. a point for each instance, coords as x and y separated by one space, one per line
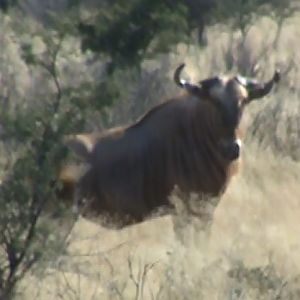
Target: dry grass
255 225
252 248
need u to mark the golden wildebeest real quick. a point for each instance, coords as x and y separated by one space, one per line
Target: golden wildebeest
187 141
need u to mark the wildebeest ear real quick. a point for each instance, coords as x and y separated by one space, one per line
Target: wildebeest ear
81 144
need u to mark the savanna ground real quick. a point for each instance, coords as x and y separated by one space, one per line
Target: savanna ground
251 250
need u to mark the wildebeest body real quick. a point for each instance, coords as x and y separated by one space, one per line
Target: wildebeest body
134 169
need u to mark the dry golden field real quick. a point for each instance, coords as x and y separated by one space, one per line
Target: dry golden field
255 225
252 248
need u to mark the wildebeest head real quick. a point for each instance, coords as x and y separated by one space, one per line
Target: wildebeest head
232 94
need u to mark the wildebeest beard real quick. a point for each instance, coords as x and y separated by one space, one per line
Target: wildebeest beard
133 170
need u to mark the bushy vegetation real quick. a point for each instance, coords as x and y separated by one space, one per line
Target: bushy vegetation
88 65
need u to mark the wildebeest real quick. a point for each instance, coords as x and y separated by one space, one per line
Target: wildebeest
132 170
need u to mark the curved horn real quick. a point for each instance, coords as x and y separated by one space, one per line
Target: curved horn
190 87
258 90
180 82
